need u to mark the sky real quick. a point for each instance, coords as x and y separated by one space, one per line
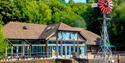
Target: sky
84 1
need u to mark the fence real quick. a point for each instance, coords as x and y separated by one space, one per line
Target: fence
117 57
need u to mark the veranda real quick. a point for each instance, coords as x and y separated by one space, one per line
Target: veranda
46 48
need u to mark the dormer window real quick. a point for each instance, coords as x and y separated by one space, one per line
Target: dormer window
50 28
67 36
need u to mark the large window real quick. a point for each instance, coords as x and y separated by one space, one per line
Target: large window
65 48
67 35
38 50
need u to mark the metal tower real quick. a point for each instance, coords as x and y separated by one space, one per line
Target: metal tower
104 55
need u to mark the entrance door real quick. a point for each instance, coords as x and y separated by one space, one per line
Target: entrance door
52 50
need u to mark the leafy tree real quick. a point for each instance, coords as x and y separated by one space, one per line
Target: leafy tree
63 13
38 12
90 15
121 9
92 1
20 5
44 12
62 1
71 2
117 28
3 43
8 11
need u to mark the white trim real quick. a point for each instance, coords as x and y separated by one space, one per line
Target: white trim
48 45
20 45
38 45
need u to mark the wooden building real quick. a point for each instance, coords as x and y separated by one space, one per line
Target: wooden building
50 41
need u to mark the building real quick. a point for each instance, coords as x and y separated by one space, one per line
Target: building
51 41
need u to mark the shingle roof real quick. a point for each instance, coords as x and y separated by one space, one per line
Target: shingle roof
49 31
88 35
17 30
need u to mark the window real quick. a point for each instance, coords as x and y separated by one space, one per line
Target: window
67 36
60 36
74 36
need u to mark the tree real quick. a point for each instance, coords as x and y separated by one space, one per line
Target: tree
48 12
63 13
38 12
92 1
3 43
71 2
117 28
62 1
90 15
8 11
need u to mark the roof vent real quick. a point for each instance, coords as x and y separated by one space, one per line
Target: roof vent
25 28
50 28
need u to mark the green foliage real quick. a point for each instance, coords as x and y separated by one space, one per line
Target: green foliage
90 15
44 12
3 43
71 2
121 11
91 1
64 13
8 11
38 12
62 1
1 22
117 28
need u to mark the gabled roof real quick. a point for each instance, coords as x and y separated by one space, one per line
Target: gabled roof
18 30
63 26
49 31
91 37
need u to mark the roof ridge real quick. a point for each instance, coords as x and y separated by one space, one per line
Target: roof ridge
26 23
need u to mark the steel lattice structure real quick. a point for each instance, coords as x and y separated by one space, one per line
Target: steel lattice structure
104 55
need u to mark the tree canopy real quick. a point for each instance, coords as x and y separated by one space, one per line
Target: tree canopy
41 12
117 28
3 43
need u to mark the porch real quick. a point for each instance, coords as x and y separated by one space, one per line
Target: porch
49 49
